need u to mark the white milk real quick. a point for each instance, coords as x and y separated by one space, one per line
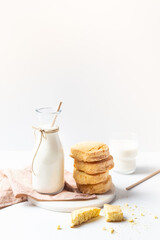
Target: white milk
48 164
124 153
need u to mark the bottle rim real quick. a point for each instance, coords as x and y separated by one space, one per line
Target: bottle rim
47 110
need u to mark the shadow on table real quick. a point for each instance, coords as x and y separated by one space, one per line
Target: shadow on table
145 169
120 194
131 194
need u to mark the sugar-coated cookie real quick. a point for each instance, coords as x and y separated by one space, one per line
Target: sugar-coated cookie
89 151
99 188
94 167
84 178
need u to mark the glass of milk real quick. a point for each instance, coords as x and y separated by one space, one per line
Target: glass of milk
48 160
124 149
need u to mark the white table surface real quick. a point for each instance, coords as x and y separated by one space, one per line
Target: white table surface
24 221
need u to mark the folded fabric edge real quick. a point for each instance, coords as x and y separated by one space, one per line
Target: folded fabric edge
77 197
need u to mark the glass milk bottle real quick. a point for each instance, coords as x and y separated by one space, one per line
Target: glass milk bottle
48 159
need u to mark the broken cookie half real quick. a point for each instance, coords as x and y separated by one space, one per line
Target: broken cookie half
83 215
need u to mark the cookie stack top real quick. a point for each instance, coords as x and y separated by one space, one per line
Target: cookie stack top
89 151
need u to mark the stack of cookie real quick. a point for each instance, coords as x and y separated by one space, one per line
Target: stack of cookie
92 163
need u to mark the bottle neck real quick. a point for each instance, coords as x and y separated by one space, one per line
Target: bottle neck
45 117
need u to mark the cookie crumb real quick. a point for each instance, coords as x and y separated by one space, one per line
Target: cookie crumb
104 228
58 227
155 217
142 214
135 206
126 205
111 230
130 220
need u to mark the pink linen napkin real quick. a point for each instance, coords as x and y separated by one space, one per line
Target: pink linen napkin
16 186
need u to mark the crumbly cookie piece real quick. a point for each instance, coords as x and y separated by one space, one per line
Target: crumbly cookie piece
89 151
83 215
94 167
113 213
96 188
84 178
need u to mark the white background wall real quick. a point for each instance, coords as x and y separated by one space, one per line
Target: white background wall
101 58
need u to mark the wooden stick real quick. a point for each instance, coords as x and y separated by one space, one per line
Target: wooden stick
142 180
59 107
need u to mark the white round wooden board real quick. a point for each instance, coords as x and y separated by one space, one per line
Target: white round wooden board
69 206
